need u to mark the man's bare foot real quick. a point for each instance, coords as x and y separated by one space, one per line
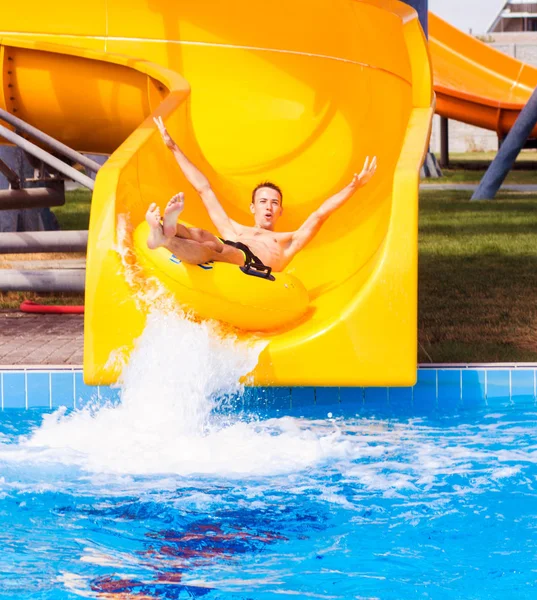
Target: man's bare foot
171 213
156 236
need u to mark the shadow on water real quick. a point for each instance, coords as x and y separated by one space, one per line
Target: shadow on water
187 547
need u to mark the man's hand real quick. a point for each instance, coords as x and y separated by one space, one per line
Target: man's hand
367 173
167 138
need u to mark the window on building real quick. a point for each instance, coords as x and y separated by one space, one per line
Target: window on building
523 8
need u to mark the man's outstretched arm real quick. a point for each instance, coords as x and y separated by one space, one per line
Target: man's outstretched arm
309 229
201 184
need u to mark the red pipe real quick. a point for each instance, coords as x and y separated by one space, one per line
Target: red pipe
32 307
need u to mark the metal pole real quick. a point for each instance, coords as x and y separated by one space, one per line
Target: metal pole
10 175
46 157
444 142
49 280
43 241
50 141
31 198
508 152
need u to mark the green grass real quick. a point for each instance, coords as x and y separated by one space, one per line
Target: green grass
12 300
471 166
475 176
74 214
470 157
477 278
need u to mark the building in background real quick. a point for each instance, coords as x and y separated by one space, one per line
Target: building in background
516 16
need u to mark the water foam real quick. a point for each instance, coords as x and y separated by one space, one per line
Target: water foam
178 373
165 427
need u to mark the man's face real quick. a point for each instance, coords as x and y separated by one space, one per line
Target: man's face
266 208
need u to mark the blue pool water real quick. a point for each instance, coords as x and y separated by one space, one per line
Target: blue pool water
174 491
353 506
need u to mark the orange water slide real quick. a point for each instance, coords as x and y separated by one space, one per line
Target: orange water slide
475 83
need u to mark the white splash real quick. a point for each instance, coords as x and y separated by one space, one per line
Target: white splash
165 428
177 374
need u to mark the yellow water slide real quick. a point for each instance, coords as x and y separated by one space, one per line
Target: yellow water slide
475 83
298 92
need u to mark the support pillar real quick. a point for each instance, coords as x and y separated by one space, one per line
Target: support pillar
422 8
431 167
508 152
444 142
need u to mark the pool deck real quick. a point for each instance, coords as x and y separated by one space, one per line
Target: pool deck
46 339
33 339
41 368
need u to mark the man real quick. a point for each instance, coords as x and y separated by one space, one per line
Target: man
241 245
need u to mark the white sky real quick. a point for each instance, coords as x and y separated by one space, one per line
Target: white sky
476 15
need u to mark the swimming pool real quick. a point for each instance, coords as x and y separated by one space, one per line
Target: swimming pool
185 486
376 506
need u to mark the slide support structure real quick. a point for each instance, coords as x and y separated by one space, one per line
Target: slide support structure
422 8
508 152
431 168
444 142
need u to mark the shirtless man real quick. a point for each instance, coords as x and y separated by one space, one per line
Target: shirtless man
241 245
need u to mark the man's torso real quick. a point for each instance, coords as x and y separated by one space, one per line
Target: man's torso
270 247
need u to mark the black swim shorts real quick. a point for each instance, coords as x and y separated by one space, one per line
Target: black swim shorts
249 257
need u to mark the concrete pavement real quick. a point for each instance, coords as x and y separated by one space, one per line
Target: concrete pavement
32 339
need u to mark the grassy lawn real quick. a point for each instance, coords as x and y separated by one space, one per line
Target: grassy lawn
477 270
477 275
477 278
469 157
12 300
474 176
74 214
471 166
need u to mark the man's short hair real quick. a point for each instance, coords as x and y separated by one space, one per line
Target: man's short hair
267 184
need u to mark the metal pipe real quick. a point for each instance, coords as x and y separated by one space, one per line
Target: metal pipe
50 280
43 241
10 175
444 142
46 157
508 152
50 141
31 198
